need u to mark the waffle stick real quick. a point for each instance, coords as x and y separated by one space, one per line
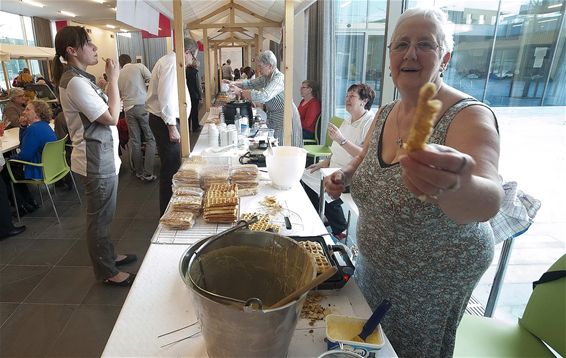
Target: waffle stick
424 116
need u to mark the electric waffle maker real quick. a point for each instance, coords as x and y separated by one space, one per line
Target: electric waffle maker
338 257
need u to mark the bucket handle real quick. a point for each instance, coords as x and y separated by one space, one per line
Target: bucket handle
239 225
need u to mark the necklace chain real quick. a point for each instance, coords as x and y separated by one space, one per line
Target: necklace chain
399 140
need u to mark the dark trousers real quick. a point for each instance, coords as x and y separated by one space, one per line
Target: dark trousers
100 209
193 117
332 211
170 156
23 194
5 215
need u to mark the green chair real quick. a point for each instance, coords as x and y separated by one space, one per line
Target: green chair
54 167
544 320
319 150
316 139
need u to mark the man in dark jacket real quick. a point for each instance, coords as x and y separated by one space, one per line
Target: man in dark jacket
195 90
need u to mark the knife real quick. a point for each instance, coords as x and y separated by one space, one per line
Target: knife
373 321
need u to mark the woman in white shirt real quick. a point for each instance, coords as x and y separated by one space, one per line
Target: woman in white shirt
347 143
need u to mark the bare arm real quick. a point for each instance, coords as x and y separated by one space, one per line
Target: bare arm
461 177
110 117
339 180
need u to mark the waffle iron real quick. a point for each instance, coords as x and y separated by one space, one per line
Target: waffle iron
338 257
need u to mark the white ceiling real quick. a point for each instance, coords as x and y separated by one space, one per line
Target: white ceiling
94 13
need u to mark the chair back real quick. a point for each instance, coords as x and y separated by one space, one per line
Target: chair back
54 163
337 121
545 314
317 126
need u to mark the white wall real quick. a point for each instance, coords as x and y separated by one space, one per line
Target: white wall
232 53
107 48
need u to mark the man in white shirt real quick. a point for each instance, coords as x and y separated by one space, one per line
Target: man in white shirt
131 84
162 103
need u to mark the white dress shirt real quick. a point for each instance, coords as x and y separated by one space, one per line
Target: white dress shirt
162 99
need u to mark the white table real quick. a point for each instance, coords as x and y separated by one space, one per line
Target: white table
159 302
10 140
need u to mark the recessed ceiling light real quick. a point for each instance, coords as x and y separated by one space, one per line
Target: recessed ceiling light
113 9
124 30
67 13
33 3
99 1
110 26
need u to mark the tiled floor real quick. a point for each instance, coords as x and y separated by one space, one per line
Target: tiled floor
50 304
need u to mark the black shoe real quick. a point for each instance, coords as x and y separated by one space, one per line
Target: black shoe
126 260
125 283
16 230
30 207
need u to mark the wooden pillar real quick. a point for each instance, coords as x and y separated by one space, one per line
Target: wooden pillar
288 70
249 55
207 76
5 70
181 81
260 35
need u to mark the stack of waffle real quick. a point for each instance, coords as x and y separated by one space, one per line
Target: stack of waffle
188 176
221 203
215 174
317 253
246 176
178 220
262 224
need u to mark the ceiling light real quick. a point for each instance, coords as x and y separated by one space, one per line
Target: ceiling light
110 26
554 6
124 30
99 1
67 13
33 3
114 9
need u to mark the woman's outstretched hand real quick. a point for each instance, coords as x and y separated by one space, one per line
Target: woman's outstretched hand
335 184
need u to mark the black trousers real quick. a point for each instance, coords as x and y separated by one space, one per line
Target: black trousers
170 156
193 116
332 211
5 214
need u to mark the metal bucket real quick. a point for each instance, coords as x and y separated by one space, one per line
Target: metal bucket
240 266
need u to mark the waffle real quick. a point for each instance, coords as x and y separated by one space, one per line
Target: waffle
215 202
244 172
190 203
317 253
188 191
221 203
262 224
178 220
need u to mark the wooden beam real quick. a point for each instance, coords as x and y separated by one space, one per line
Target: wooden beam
249 12
288 46
230 29
207 77
232 24
181 81
195 24
260 36
6 78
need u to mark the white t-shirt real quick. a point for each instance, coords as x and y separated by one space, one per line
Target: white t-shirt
355 133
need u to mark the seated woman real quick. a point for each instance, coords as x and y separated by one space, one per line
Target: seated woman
37 115
309 108
347 143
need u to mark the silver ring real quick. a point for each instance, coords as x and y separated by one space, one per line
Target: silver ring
462 165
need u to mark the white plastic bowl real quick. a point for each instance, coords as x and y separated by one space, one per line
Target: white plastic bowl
285 167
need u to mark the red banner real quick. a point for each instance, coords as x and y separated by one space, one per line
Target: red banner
164 28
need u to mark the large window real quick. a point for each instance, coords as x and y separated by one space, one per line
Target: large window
360 45
507 53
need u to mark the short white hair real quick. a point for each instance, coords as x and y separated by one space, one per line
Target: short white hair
444 28
267 58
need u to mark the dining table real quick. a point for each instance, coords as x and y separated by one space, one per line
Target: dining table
158 318
10 140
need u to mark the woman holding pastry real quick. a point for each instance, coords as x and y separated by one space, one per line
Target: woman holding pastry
423 235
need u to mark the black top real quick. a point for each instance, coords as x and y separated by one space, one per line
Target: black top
193 83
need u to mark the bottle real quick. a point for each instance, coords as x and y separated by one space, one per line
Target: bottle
244 126
213 136
221 116
237 117
256 124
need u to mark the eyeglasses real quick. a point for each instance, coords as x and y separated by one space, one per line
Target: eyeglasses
421 46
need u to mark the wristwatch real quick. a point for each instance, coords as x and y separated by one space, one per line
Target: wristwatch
343 142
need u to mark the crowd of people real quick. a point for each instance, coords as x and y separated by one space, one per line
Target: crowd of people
413 234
